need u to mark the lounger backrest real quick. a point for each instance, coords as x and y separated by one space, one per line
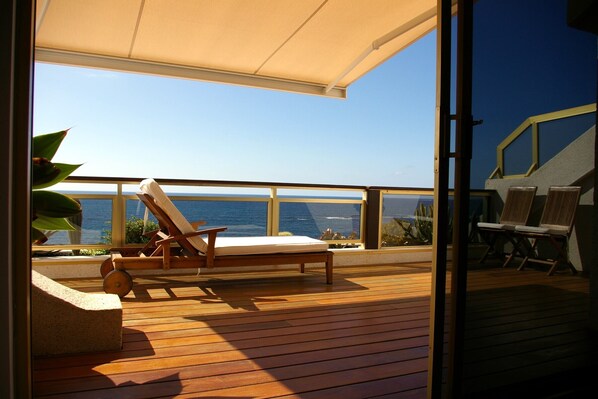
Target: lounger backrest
149 186
518 205
560 207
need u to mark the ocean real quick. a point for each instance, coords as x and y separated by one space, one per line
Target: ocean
242 218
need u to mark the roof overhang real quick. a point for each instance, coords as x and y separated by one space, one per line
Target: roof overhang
315 47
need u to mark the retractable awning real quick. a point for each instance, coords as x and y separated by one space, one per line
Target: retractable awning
309 46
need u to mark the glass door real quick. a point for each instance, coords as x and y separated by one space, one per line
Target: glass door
521 329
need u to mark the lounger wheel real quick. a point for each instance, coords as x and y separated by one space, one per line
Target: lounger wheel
106 267
118 282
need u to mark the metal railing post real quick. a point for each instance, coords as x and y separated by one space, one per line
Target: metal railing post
535 145
273 213
373 213
118 217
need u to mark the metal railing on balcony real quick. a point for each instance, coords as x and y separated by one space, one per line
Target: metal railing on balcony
539 138
344 216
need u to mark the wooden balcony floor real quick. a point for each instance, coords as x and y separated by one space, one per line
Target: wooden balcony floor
283 334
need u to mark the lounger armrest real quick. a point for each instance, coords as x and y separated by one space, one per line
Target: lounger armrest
211 244
165 243
195 225
150 234
209 232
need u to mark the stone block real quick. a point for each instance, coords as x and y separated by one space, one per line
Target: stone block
69 321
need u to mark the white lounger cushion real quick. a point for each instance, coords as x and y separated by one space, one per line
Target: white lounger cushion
267 245
149 186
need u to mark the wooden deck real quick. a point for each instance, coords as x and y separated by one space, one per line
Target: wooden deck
287 335
527 332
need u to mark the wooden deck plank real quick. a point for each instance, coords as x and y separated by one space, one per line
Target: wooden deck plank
264 376
285 334
319 384
224 368
394 387
531 331
181 356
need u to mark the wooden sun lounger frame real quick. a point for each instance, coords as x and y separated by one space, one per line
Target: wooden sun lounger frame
168 248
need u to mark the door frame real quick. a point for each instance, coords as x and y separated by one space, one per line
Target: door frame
462 168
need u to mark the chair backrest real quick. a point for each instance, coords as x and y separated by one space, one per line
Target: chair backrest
518 205
560 207
174 216
163 220
166 224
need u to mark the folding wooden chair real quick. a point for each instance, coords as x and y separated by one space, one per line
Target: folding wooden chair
555 227
516 210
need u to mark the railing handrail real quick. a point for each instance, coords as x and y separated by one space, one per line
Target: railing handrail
212 183
240 183
533 121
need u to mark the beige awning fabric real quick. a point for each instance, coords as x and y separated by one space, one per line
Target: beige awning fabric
309 46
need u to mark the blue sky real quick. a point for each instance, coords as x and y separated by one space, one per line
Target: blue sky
131 125
538 65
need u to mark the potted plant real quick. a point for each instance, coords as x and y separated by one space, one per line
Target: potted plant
50 209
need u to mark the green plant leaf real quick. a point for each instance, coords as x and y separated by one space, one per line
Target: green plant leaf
50 210
42 172
46 145
54 205
63 171
37 237
49 223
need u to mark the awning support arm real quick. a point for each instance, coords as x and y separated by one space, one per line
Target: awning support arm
381 41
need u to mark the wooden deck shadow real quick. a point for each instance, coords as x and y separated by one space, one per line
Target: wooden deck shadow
238 291
80 375
528 340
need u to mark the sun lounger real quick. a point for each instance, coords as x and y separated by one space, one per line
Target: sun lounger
179 245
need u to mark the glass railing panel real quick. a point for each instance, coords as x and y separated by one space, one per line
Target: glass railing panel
327 221
94 224
554 136
138 221
518 155
334 214
241 217
406 220
324 193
